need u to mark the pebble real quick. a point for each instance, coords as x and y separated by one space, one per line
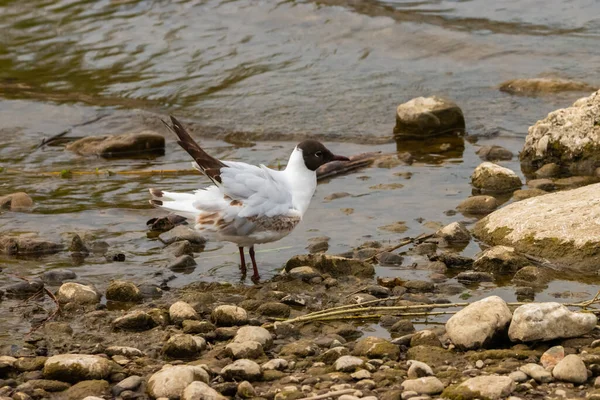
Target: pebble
247 349
130 383
570 369
245 390
489 387
552 356
348 363
229 315
275 364
182 263
184 346
254 333
201 391
171 381
58 276
426 385
418 369
77 293
537 372
134 321
375 347
182 232
180 311
76 367
242 369
123 291
518 376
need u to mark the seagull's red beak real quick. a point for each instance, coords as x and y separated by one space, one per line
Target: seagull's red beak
339 158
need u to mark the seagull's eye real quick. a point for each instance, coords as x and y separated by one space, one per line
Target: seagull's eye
318 154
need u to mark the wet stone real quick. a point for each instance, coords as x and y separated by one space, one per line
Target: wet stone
243 369
248 349
150 291
378 291
424 117
454 233
163 224
182 232
76 367
542 184
403 327
123 291
183 346
387 258
500 260
181 311
170 382
494 153
180 248
182 263
228 315
478 205
425 338
55 276
467 277
305 273
416 286
274 309
77 293
19 201
550 170
134 321
24 289
348 363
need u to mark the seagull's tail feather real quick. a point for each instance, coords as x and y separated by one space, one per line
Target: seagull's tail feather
179 203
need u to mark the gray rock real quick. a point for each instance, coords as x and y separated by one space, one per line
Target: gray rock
491 177
126 351
427 385
494 153
418 369
333 265
134 321
571 369
274 309
425 338
305 273
569 137
548 321
468 277
537 372
424 117
201 391
378 291
387 258
500 260
550 170
333 354
518 376
228 315
77 367
182 232
182 346
542 184
477 205
181 311
77 293
254 333
559 227
247 349
375 347
403 327
275 364
171 381
58 276
123 291
124 145
523 194
348 363
24 289
180 248
191 326
479 323
182 263
318 246
487 387
454 233
130 383
25 245
243 369
245 390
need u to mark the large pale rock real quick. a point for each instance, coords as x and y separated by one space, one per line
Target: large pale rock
243 369
570 369
426 385
424 117
500 260
19 201
481 387
171 381
569 137
25 245
181 311
348 363
548 321
77 293
490 177
559 227
77 367
201 391
228 315
254 333
479 323
125 145
333 265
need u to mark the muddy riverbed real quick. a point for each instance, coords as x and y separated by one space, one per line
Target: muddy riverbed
277 72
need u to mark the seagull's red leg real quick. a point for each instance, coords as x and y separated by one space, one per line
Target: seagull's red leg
255 276
242 261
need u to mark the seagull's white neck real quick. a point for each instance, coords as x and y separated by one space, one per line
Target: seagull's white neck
302 181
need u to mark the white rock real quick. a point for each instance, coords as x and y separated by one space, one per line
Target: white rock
361 374
248 349
227 315
77 367
490 387
454 233
254 333
492 177
518 376
201 391
537 372
180 311
124 351
548 321
560 227
425 385
348 363
171 381
571 369
72 292
243 370
418 369
478 323
275 364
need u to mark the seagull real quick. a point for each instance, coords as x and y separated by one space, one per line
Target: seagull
247 204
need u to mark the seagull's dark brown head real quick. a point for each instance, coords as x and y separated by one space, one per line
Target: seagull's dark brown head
315 154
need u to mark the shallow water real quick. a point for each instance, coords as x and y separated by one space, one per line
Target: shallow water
277 71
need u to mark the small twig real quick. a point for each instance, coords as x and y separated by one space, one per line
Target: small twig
330 394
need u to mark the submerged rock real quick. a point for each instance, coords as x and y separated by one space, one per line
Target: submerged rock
171 381
333 265
182 232
24 245
568 137
548 321
424 117
571 369
19 201
494 153
537 86
125 145
492 177
479 323
58 276
77 293
77 367
500 260
559 227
